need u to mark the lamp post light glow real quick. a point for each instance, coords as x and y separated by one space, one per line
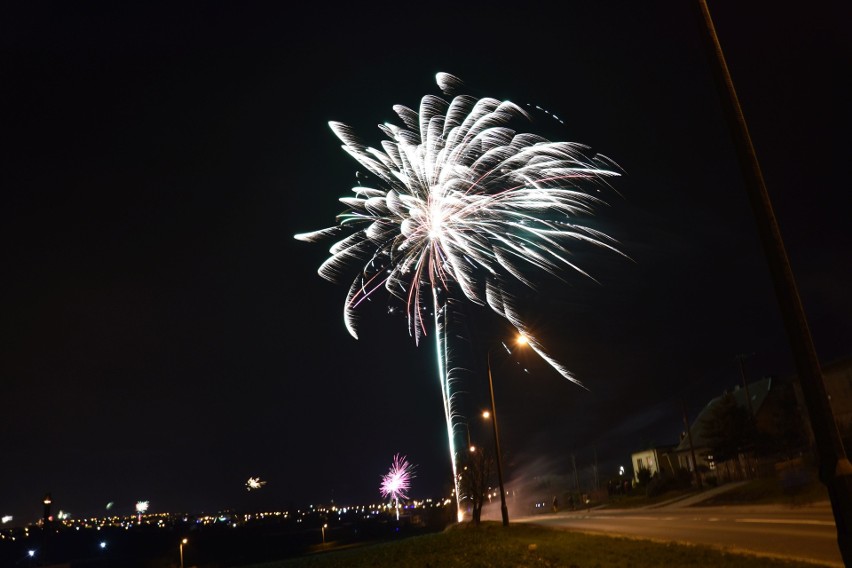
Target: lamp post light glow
182 542
504 511
520 340
324 526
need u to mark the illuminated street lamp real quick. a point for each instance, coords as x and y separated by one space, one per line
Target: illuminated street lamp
522 340
324 526
470 445
47 518
182 542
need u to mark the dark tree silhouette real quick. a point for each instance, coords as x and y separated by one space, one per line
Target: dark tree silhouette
475 480
729 431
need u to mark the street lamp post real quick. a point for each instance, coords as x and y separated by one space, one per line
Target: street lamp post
835 469
503 509
182 542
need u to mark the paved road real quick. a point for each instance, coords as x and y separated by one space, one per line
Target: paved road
805 533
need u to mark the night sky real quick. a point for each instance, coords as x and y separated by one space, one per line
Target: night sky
164 337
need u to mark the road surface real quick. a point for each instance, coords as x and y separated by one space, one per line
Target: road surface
805 533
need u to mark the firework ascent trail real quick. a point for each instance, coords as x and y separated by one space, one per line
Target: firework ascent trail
462 204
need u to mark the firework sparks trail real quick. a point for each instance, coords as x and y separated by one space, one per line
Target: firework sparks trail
254 483
463 203
397 481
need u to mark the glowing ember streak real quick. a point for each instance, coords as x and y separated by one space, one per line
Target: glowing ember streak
254 483
463 204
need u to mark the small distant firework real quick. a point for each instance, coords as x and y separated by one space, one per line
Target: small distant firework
397 482
254 483
6 518
141 507
109 505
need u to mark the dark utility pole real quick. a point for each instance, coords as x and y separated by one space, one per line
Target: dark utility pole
576 477
597 484
835 471
740 358
691 448
504 511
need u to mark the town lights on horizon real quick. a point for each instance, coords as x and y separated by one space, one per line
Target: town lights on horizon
456 203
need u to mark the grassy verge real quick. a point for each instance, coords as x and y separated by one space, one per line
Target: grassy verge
493 546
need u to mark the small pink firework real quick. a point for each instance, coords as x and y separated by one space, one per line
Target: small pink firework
397 481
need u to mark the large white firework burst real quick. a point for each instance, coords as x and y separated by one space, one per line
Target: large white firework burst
463 202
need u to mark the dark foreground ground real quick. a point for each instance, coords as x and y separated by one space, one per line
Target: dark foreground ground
217 545
376 540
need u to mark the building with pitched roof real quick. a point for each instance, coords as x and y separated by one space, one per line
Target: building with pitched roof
772 405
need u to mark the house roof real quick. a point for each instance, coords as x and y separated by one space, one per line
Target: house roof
758 390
